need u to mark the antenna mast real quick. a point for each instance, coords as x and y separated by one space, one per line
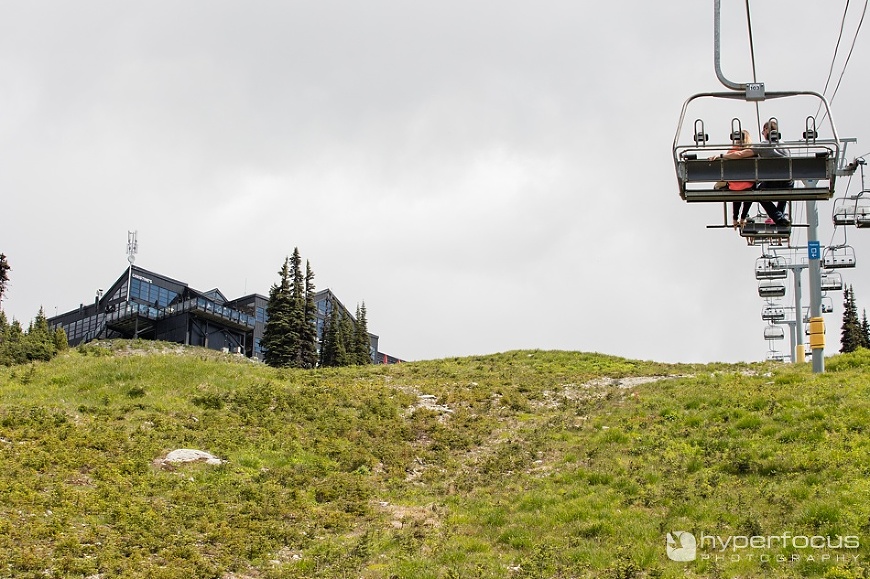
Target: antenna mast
132 250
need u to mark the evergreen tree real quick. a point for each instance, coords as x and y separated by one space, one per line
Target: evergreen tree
865 330
297 307
4 276
345 355
850 337
39 341
12 347
280 342
361 343
290 336
4 340
308 331
330 343
61 342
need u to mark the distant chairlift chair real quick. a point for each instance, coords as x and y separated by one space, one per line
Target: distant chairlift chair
832 281
771 288
770 267
772 332
839 256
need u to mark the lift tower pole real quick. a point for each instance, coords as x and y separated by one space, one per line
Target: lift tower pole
817 324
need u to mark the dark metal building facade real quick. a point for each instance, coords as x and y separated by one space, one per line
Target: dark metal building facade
144 304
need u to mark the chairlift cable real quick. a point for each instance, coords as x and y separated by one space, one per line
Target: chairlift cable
834 58
849 56
836 50
851 49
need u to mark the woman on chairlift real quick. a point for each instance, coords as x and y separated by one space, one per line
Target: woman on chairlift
740 149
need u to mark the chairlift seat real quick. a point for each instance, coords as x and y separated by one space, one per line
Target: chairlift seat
773 313
844 216
760 233
812 160
834 262
839 257
831 282
771 289
770 267
695 173
774 333
852 211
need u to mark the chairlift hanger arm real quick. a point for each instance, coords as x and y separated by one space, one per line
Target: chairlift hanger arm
740 96
717 41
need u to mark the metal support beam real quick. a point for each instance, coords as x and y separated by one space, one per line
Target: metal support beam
818 351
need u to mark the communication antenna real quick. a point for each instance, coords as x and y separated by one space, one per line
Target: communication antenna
132 246
132 250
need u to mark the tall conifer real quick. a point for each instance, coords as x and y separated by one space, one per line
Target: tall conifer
279 337
39 341
330 343
865 330
850 337
362 344
290 337
346 355
308 331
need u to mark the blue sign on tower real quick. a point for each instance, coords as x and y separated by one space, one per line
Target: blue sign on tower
814 249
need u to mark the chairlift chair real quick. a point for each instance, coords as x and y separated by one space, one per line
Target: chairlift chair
827 305
775 356
841 256
811 161
757 231
852 211
770 267
772 313
774 333
771 288
832 281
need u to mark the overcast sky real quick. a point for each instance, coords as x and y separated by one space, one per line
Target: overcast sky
484 175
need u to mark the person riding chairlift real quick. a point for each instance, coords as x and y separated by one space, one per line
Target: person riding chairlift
770 138
740 149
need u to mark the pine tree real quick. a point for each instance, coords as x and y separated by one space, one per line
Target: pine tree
61 342
850 337
345 355
297 306
290 336
39 341
362 344
330 343
865 330
280 342
308 331
4 276
12 347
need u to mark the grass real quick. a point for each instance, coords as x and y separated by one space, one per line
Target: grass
524 464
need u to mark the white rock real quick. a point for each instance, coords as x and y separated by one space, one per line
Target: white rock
191 455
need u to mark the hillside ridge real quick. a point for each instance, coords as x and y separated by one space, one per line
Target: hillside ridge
526 463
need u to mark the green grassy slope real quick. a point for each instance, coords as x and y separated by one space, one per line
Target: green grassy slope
523 464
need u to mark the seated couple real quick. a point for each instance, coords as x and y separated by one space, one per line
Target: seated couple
741 149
